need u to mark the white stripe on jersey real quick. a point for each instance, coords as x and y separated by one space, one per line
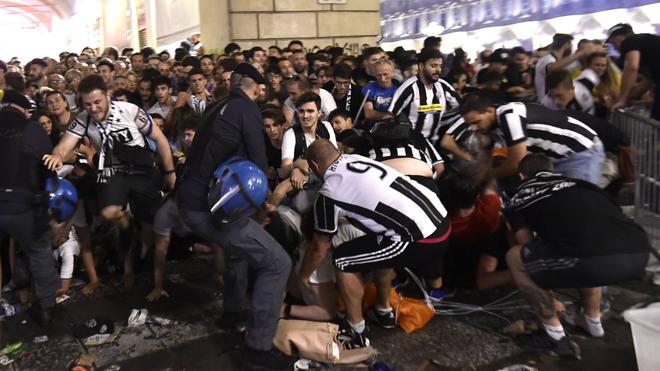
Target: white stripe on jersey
389 252
378 199
409 92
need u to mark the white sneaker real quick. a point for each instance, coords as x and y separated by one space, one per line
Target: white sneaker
591 326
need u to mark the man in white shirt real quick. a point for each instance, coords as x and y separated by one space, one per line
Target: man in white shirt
560 57
299 137
164 100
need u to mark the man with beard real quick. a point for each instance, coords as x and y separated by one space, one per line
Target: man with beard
37 71
299 62
560 57
422 98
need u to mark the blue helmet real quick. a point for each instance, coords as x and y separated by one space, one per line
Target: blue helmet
240 188
62 198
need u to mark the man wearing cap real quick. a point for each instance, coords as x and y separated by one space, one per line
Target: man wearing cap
24 215
637 52
561 56
232 127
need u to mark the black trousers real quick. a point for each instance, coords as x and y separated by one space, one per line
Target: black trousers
33 238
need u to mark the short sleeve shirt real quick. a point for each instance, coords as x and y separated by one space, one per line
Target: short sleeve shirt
126 123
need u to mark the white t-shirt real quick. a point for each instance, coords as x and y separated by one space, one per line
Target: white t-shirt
289 140
540 72
162 110
328 105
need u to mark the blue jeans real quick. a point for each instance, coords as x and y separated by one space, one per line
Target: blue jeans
246 243
586 165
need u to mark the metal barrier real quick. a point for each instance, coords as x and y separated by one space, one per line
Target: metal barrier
644 135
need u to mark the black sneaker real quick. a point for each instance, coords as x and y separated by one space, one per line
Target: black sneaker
387 320
351 339
233 321
541 341
273 359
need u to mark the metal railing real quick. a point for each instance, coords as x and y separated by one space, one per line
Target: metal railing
644 135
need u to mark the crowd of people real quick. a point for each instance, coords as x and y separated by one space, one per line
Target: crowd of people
471 174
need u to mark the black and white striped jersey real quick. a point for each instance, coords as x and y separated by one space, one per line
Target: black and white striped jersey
451 114
583 99
378 200
547 131
423 106
420 149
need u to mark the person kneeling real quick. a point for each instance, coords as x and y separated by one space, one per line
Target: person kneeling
583 240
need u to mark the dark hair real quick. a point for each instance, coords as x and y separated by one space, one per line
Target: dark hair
558 77
111 50
533 164
121 92
16 81
147 52
372 50
327 69
230 48
90 83
62 96
299 80
106 62
275 47
162 80
254 49
455 74
427 54
191 61
339 112
164 52
491 76
229 64
206 56
476 102
519 50
274 114
308 97
295 42
126 50
461 184
135 55
342 70
559 40
195 71
432 42
156 116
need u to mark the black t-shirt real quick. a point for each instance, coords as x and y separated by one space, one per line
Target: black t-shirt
648 46
576 216
21 167
350 102
515 77
274 155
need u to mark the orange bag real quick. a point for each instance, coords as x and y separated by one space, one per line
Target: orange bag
411 314
368 300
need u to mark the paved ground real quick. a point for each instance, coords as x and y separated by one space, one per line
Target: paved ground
194 343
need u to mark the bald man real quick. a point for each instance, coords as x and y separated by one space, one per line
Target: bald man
404 221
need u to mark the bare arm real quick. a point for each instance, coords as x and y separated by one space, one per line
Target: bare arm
488 276
288 115
165 155
628 78
66 145
316 252
449 144
372 114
